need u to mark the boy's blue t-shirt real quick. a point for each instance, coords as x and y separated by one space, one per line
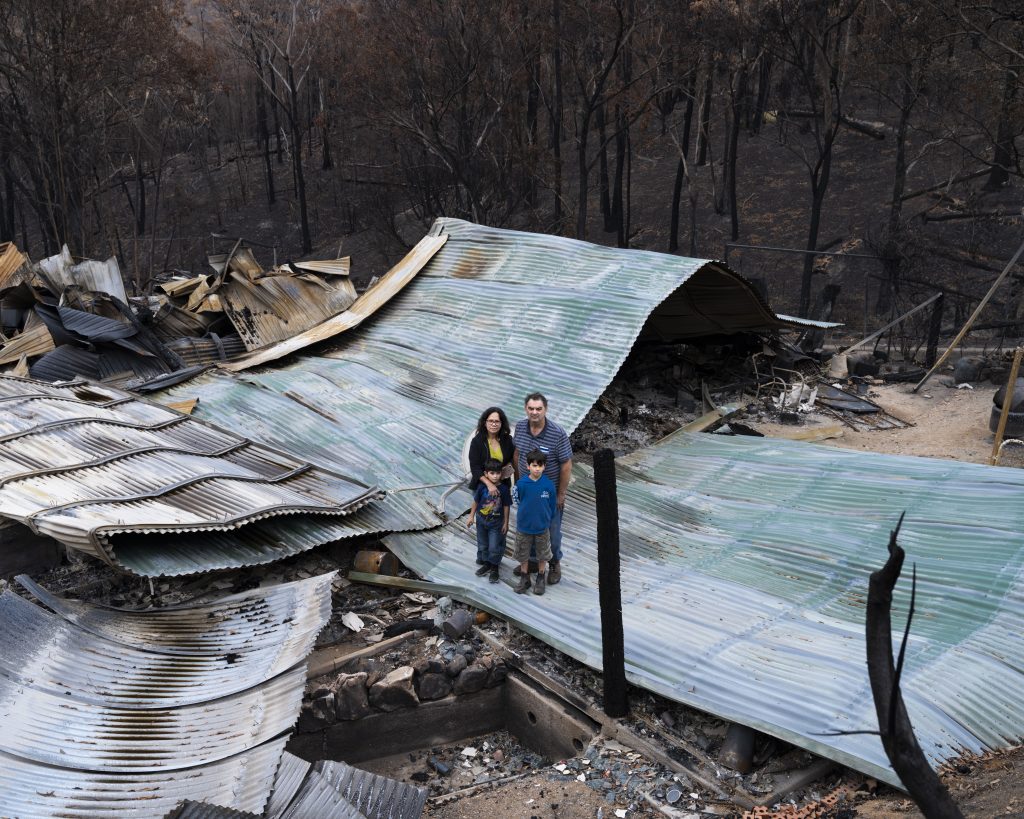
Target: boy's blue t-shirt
538 503
490 508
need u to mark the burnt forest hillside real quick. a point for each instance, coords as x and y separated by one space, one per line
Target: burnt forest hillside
888 133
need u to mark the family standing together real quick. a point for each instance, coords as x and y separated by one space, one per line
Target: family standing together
527 467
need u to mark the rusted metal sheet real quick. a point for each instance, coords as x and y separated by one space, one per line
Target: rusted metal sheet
324 267
365 306
749 559
272 308
34 340
90 465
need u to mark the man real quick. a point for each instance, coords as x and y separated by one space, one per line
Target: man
537 431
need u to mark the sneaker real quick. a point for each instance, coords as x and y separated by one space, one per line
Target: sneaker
484 569
554 572
493 577
524 584
538 587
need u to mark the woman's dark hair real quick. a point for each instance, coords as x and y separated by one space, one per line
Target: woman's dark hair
481 425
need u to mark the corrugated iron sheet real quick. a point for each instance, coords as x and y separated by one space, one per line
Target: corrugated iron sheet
318 797
278 625
31 342
290 776
30 789
95 727
744 579
88 465
204 810
14 268
365 306
60 271
272 308
376 797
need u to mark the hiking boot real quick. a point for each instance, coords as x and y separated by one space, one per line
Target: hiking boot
517 571
524 584
480 561
538 587
533 568
554 572
483 569
493 577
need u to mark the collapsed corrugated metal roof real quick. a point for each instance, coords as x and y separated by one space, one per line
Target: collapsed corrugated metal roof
744 578
95 725
399 396
60 272
92 466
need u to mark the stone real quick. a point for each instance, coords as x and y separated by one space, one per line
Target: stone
372 668
471 680
456 665
428 665
862 364
433 686
685 401
350 698
317 714
968 368
395 690
497 674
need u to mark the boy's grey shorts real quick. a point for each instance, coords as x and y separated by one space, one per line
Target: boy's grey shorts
541 544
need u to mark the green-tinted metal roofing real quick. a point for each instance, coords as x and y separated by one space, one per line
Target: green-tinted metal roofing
744 574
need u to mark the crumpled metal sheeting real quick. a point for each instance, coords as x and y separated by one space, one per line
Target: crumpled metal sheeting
277 624
318 797
375 796
788 533
290 776
61 730
271 539
43 651
87 465
242 782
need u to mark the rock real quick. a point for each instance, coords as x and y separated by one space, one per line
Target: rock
456 665
317 715
350 699
685 401
428 665
471 680
395 690
862 364
372 668
969 368
1016 400
433 686
498 756
498 673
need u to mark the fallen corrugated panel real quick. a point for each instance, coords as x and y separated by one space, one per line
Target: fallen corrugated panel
324 267
208 349
377 797
365 306
94 725
65 363
88 465
290 776
60 272
14 267
31 342
64 730
318 797
271 308
745 564
279 623
29 788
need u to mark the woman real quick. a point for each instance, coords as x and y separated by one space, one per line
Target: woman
493 439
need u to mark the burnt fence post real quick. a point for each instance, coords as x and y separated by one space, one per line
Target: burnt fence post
609 589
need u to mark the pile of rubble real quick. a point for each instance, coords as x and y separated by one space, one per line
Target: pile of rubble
63 318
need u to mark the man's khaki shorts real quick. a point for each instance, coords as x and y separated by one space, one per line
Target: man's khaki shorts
540 543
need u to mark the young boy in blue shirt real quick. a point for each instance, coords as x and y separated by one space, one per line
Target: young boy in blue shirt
491 512
535 498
